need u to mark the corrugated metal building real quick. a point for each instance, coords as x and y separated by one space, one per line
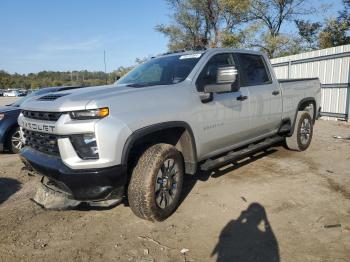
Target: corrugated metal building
332 67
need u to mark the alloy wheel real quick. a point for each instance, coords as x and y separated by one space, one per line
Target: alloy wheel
305 131
16 140
166 183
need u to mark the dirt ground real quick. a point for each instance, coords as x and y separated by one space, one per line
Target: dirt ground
7 100
276 206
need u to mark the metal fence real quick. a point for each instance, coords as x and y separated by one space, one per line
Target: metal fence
332 67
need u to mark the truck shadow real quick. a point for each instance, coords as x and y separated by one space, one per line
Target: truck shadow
249 238
8 187
190 181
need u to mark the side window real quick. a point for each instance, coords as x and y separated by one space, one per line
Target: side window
253 70
208 74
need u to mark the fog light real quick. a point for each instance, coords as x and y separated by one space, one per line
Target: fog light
85 145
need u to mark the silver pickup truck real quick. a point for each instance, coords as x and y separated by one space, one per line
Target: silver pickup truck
170 116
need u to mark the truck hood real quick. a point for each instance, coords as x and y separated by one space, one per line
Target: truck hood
75 99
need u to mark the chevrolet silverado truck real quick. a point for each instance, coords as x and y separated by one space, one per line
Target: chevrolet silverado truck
170 116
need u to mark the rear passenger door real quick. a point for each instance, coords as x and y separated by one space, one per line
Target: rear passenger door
264 95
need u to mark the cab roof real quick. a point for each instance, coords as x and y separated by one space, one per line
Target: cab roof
210 51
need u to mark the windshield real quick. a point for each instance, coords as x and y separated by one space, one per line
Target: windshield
36 93
161 71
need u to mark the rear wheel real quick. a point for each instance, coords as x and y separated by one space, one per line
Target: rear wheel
156 183
15 141
302 134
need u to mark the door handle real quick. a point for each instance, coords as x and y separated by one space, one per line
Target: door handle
276 92
241 98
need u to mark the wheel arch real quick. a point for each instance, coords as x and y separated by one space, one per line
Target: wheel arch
303 103
177 133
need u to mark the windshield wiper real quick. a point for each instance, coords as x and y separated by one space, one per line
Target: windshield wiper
136 85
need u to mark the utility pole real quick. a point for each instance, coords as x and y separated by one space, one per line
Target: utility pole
104 60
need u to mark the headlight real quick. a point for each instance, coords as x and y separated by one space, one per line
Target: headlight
2 116
90 114
85 145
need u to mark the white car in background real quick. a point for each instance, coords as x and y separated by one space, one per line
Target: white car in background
12 93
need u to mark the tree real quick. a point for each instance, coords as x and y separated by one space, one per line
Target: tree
272 15
202 23
50 78
336 31
344 15
234 23
276 46
309 31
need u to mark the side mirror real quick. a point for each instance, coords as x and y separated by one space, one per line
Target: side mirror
226 81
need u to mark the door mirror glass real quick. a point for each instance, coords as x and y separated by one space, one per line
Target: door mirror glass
226 81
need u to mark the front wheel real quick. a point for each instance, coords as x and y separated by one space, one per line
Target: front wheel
302 134
156 183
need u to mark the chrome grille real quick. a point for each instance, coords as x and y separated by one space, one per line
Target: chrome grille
50 116
46 143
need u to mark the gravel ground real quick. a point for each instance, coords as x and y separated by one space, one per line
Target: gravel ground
7 100
276 206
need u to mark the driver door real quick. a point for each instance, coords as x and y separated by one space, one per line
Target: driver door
224 119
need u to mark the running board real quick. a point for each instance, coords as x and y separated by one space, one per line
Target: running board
236 155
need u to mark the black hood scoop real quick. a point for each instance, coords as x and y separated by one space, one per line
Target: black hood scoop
51 97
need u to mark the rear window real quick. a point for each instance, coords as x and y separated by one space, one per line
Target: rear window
253 70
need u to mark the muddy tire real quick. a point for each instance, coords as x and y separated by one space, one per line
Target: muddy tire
14 141
156 183
302 134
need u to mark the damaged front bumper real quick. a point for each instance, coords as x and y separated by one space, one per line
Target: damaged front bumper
83 184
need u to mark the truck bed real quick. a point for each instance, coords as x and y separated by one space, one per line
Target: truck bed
294 91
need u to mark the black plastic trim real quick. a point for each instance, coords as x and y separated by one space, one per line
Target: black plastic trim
296 79
151 129
286 122
306 99
81 184
318 115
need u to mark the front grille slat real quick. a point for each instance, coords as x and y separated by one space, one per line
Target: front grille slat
46 143
49 116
